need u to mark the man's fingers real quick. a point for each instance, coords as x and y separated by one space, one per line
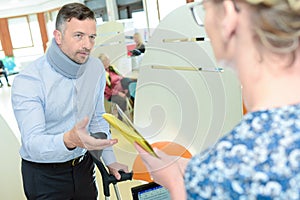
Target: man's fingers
115 169
107 143
99 144
116 174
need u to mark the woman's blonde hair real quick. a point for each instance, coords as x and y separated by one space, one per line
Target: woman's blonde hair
139 39
277 23
102 56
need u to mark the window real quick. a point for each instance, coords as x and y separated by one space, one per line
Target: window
20 32
1 51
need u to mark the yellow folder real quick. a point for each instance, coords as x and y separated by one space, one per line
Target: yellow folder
126 128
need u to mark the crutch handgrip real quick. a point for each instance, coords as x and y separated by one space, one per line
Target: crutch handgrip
125 176
107 178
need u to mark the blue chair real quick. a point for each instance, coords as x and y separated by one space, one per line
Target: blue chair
132 89
9 63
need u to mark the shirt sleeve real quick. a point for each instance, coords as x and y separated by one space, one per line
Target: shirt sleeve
28 105
108 156
99 124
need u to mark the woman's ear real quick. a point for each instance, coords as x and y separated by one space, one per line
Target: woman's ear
229 21
57 36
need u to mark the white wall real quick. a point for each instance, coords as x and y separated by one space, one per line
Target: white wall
10 8
157 10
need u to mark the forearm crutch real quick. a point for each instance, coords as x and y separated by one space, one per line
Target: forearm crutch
107 179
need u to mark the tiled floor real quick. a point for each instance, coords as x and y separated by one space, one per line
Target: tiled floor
11 182
5 106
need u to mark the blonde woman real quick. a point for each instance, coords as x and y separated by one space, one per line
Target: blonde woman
139 42
260 157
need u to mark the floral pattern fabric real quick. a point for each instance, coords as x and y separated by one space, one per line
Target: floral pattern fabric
258 159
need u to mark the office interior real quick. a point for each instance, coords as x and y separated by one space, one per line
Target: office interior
183 102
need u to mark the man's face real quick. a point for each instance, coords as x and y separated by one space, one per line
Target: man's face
77 39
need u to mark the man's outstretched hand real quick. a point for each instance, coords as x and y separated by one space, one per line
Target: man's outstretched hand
79 137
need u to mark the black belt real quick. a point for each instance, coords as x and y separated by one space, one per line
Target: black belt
71 163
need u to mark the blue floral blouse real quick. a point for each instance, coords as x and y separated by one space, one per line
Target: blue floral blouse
258 159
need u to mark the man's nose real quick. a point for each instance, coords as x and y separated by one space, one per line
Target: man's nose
87 43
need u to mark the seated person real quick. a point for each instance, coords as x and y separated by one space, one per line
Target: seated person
116 89
4 73
140 47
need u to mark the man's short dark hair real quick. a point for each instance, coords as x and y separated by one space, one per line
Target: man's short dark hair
73 10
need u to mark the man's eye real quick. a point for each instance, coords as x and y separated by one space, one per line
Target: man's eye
78 36
92 37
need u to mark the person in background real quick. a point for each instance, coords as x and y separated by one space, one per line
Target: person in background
58 103
259 158
4 73
140 46
116 89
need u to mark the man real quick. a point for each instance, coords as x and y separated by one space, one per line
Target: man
58 103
